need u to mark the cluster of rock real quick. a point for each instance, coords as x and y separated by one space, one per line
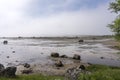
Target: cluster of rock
7 72
27 69
59 62
56 55
11 71
73 73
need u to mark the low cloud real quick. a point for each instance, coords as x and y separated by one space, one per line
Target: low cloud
83 21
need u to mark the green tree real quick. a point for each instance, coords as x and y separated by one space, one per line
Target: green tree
115 25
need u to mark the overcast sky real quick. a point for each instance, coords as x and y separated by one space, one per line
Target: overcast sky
54 17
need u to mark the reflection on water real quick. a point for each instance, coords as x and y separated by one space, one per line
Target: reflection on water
38 51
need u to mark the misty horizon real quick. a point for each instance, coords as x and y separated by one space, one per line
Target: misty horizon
38 18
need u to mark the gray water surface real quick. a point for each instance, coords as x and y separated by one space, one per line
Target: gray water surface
39 50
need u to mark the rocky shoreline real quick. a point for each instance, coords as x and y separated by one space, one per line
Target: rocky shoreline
62 64
59 67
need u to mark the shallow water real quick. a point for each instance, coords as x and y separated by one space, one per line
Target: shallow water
38 51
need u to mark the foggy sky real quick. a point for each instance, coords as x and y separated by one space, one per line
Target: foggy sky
54 17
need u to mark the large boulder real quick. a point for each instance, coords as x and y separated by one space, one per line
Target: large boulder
77 57
9 72
54 54
59 64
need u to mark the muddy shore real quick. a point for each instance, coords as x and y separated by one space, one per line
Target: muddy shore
36 52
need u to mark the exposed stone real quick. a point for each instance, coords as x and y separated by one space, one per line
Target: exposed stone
77 57
59 64
54 54
72 74
82 67
102 57
26 65
64 56
13 51
9 72
8 56
27 71
16 61
81 40
5 42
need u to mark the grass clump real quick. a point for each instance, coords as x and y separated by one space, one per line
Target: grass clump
100 72
34 77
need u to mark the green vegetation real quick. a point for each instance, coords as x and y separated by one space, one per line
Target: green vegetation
34 77
96 72
115 26
100 72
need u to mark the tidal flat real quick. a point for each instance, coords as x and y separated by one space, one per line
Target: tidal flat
37 51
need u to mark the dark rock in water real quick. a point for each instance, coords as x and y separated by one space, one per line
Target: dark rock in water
8 56
13 51
77 57
26 65
9 72
81 40
27 71
54 54
82 67
5 42
64 56
16 61
59 64
42 53
102 57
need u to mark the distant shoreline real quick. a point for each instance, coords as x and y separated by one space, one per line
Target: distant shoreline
63 37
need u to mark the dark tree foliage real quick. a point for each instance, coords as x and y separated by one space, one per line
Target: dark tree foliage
115 25
115 6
